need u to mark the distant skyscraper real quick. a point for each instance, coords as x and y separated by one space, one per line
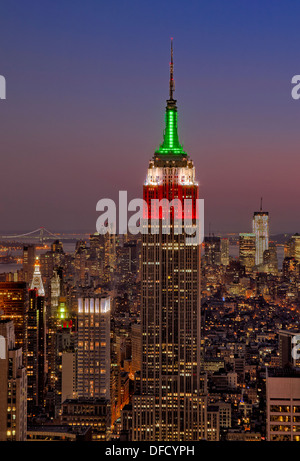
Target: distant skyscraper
28 262
294 247
247 249
94 347
81 260
110 251
261 231
224 251
97 244
36 350
270 259
14 304
52 322
171 405
212 251
96 258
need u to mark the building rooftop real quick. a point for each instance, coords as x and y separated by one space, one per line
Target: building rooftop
86 401
286 372
59 429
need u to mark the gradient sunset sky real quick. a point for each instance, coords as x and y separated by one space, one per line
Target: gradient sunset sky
86 88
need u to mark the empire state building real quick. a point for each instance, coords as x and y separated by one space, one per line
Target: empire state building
171 404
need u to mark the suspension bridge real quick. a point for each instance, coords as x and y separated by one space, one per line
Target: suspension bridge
42 234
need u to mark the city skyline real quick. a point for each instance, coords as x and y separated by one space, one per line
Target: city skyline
79 104
182 332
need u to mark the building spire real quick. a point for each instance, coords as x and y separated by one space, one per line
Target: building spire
171 102
171 84
171 145
37 282
261 199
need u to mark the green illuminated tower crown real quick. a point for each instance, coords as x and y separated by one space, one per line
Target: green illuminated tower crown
171 145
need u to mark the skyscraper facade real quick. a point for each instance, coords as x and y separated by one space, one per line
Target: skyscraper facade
170 405
13 387
14 305
260 227
28 262
136 347
225 251
212 250
51 318
93 352
36 349
247 251
283 409
294 247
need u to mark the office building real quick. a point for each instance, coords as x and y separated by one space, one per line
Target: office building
293 247
247 251
36 347
13 386
260 225
88 412
212 251
14 305
29 255
224 251
283 404
93 352
171 405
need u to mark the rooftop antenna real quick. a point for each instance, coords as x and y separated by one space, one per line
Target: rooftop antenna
172 85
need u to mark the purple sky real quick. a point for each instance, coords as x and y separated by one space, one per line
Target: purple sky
86 90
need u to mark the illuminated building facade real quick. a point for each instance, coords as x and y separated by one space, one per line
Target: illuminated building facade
28 262
88 412
171 405
14 305
247 251
93 352
36 349
136 347
55 288
212 251
224 251
270 259
95 260
213 423
283 404
260 226
294 247
13 388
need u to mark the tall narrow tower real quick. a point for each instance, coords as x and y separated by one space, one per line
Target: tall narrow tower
36 349
261 231
171 405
